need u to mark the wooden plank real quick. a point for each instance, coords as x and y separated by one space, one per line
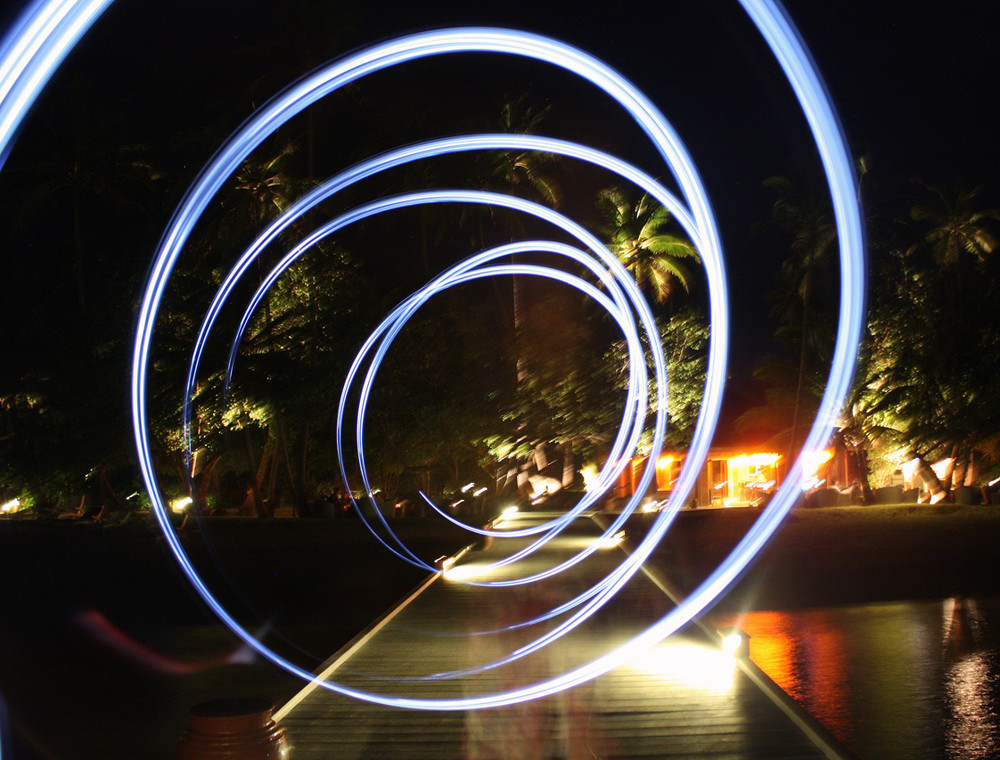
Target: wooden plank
639 710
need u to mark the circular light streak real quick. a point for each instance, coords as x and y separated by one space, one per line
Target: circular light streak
31 51
48 30
711 256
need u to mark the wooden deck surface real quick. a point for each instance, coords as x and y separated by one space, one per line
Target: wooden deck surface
683 699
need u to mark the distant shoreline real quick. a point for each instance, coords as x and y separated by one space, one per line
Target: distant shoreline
818 557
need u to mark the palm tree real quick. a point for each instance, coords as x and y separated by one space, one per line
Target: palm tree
956 225
264 187
638 232
955 235
927 376
258 191
528 174
808 227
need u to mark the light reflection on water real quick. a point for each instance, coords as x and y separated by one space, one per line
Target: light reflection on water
901 680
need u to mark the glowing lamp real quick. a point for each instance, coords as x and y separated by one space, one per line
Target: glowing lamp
479 491
464 572
505 514
178 506
443 564
735 643
610 542
696 666
468 487
813 459
11 506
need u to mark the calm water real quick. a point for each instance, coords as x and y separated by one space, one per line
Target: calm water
893 681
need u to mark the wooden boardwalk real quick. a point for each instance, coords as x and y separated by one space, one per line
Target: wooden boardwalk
683 699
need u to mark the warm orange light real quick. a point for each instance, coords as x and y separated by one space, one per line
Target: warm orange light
664 462
813 459
910 469
755 460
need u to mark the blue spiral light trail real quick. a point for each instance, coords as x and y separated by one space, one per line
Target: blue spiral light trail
47 31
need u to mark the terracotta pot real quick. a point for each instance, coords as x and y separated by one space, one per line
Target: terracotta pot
227 729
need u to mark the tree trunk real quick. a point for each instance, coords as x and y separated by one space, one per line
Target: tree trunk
269 474
569 466
302 471
949 471
930 480
287 459
972 471
518 301
960 469
867 495
258 502
793 443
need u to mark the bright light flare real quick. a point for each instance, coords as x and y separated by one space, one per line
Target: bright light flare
816 459
610 542
467 571
756 460
812 483
11 506
689 664
179 506
735 643
506 514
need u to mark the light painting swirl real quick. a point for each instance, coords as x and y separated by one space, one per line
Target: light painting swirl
48 30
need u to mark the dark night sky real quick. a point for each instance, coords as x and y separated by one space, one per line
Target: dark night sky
917 91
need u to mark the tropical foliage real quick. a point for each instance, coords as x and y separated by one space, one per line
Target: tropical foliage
644 237
483 377
924 387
